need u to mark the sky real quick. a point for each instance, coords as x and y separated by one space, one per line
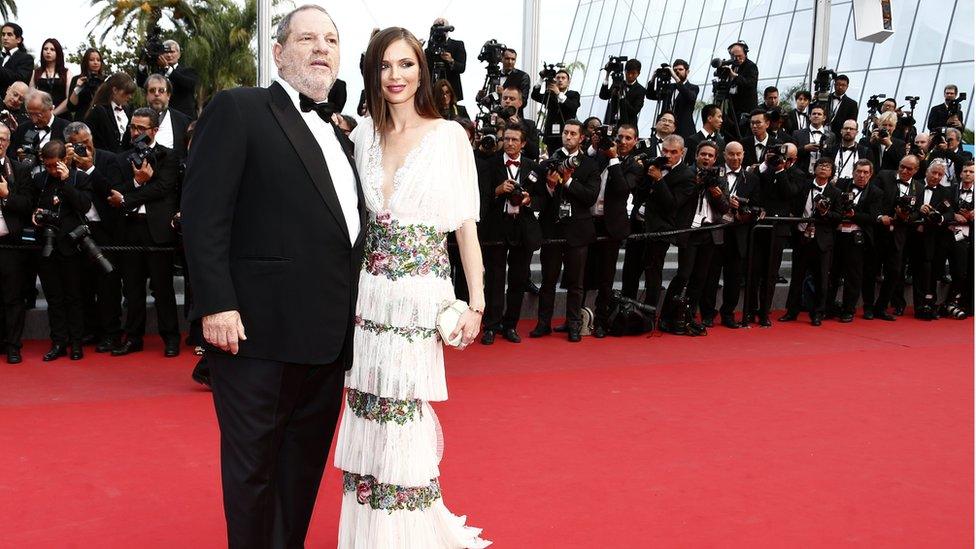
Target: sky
355 19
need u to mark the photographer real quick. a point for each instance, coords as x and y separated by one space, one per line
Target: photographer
101 291
561 105
780 180
563 197
855 253
708 202
108 117
62 196
512 98
755 146
172 123
514 78
625 95
798 118
846 152
884 149
959 300
729 258
813 140
445 56
899 188
148 202
619 175
927 243
42 128
955 154
669 184
447 102
683 98
840 108
16 65
711 126
813 245
509 218
184 78
83 86
14 114
15 209
939 114
744 80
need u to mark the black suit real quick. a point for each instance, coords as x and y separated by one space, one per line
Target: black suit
802 138
927 244
16 210
812 253
665 197
845 110
282 257
776 194
453 70
57 126
749 146
692 142
519 234
742 102
180 123
104 129
887 160
184 80
557 114
846 160
856 255
729 259
684 108
891 240
19 67
521 80
337 95
61 271
938 116
578 230
796 120
626 107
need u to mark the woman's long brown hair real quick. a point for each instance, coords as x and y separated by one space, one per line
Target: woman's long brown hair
377 106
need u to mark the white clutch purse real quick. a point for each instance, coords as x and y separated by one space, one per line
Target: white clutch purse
447 320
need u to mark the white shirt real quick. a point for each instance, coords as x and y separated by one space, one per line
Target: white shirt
4 230
760 153
845 162
121 119
808 207
513 174
165 134
597 208
92 214
704 211
343 179
733 178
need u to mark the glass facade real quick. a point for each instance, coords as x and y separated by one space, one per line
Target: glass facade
932 46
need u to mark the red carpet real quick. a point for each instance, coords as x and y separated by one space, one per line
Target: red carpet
846 435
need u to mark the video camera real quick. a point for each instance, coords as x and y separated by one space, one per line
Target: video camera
153 47
487 131
954 105
874 102
721 79
605 135
723 68
438 38
660 85
548 72
821 84
491 52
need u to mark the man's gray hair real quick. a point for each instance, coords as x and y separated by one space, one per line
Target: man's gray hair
954 131
674 141
937 163
284 26
45 98
156 77
172 44
75 128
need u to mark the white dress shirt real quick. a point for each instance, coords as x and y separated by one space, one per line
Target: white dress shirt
4 230
121 119
165 134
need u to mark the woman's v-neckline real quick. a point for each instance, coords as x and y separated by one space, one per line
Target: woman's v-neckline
408 159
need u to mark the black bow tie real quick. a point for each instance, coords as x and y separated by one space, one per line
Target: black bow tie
848 149
816 132
43 128
814 187
325 110
119 109
6 53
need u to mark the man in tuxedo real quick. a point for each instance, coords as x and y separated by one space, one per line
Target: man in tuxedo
101 291
564 201
172 123
516 78
684 99
709 201
928 242
779 182
16 65
452 60
512 98
846 152
14 114
147 201
619 175
813 245
42 128
286 270
760 141
812 140
663 127
884 149
729 258
15 210
798 118
508 218
840 108
856 247
624 102
184 79
960 295
109 122
711 128
561 105
939 114
898 189
744 80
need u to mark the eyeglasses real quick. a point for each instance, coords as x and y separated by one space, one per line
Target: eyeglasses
756 122
157 90
140 128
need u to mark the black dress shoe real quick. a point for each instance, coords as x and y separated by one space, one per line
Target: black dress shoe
574 336
816 320
764 321
788 317
488 337
884 315
201 373
107 344
13 356
561 329
540 330
599 332
708 322
511 335
729 322
899 311
171 350
130 346
868 315
696 329
532 287
57 350
76 351
845 318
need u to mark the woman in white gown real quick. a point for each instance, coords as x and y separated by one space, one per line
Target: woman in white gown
420 183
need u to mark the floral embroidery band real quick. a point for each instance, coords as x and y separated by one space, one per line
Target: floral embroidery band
383 410
407 332
390 497
395 250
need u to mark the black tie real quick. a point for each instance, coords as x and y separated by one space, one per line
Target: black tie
849 149
816 132
325 110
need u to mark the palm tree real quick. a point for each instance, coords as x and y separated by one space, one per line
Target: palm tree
8 8
140 16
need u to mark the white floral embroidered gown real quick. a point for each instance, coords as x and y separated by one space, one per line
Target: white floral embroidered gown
389 443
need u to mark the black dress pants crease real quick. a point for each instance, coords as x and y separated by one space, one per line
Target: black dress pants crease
694 260
633 261
606 253
102 292
808 258
12 309
553 259
61 282
767 259
503 307
892 265
655 252
157 267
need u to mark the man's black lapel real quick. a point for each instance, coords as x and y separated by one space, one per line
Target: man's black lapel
349 149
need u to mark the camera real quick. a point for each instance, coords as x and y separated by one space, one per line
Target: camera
883 133
438 38
776 157
822 203
846 201
723 68
874 102
710 177
660 86
81 236
548 72
604 133
141 151
515 197
905 205
745 208
558 161
615 64
154 45
80 149
48 221
491 51
92 81
503 112
31 148
954 104
821 84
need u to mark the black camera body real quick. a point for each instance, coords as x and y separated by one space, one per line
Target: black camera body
80 149
605 133
723 68
491 51
548 72
883 133
616 64
776 157
905 204
438 38
822 203
141 151
515 197
846 201
874 102
153 47
81 236
709 177
49 221
821 84
745 208
955 104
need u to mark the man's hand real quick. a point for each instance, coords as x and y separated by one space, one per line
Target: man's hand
925 209
960 217
654 173
63 171
526 199
142 173
553 179
506 187
715 191
612 151
161 62
514 119
115 199
446 56
811 147
224 330
553 89
886 220
4 188
734 202
83 163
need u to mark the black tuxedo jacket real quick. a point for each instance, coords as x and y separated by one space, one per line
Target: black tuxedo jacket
802 138
684 108
581 194
889 159
622 179
846 110
825 223
557 113
20 67
776 193
521 229
791 122
105 132
71 199
264 232
180 123
453 72
665 197
158 195
57 132
867 208
749 149
107 176
692 142
938 117
631 102
19 204
862 154
521 80
746 98
746 187
887 182
685 214
184 81
337 95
